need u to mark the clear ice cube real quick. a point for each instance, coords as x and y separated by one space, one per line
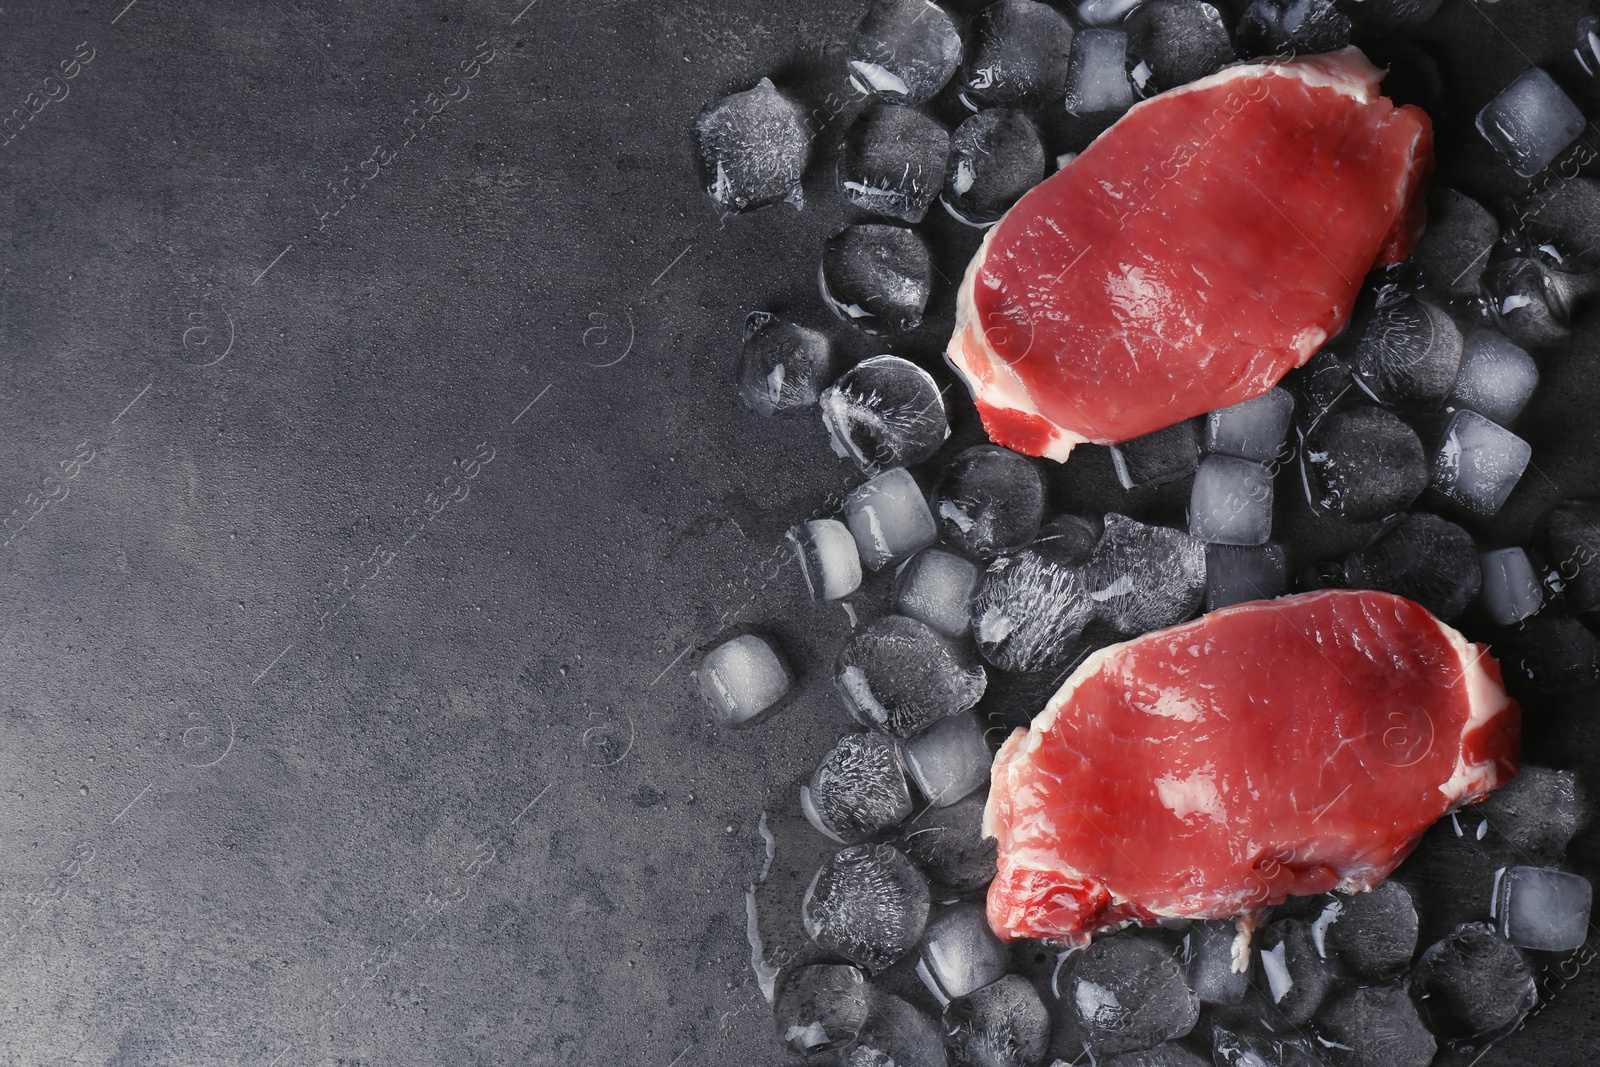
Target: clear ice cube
1511 589
1143 577
1375 1026
828 557
1017 56
1496 378
1239 573
884 412
1127 991
1372 934
1170 1054
989 500
894 162
1363 463
936 587
1177 42
899 677
1543 908
1208 949
867 903
876 277
1472 987
1423 558
1478 463
744 679
948 846
1529 301
1097 79
1231 502
949 760
1004 1024
960 954
889 518
904 51
1158 457
1536 815
782 367
858 790
1531 122
1409 352
819 1007
753 148
995 157
896 1034
1254 429
1292 27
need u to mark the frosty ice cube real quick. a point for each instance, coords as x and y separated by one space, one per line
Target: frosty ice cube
949 760
1142 577
1472 986
894 162
876 277
819 1007
960 954
1177 41
1375 1026
889 518
1004 1024
1531 122
858 790
1362 464
936 587
904 51
884 412
1208 950
1231 503
868 904
828 557
995 157
753 148
1542 908
744 680
1017 56
989 500
1511 589
899 677
1478 463
1097 79
1496 377
1127 991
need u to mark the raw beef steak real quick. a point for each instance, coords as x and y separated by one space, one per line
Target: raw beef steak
1199 249
1211 769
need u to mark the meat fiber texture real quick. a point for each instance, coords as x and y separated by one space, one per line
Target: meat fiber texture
1209 770
1196 252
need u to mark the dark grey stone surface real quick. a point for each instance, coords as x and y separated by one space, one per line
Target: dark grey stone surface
327 739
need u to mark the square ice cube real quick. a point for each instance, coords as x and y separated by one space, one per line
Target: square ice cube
1097 76
960 953
1511 589
1531 122
744 679
1542 908
949 759
1231 503
828 557
1237 573
1253 429
936 587
1158 457
1478 463
889 517
1496 377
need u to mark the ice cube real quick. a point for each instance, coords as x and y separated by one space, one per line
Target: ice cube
1454 250
1543 908
1033 605
782 367
995 157
889 518
1532 301
1208 949
753 148
1126 992
1478 463
1144 578
1237 573
1549 654
960 954
1103 12
1004 1024
896 1035
867 903
858 790
1251 1045
1362 464
884 412
1536 815
1097 80
1571 534
949 760
1472 986
1326 378
989 500
1496 377
904 51
1159 457
948 845
1017 56
744 679
1374 1026
1372 934
1177 41
899 677
1531 122
1423 558
1511 589
1297 27
1231 503
1409 352
1563 214
1170 1054
936 587
1253 429
819 1007
828 557
894 160
1298 978
876 277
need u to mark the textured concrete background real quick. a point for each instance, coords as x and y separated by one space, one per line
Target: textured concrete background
384 470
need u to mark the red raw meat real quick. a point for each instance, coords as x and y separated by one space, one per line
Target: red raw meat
1197 251
1212 769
